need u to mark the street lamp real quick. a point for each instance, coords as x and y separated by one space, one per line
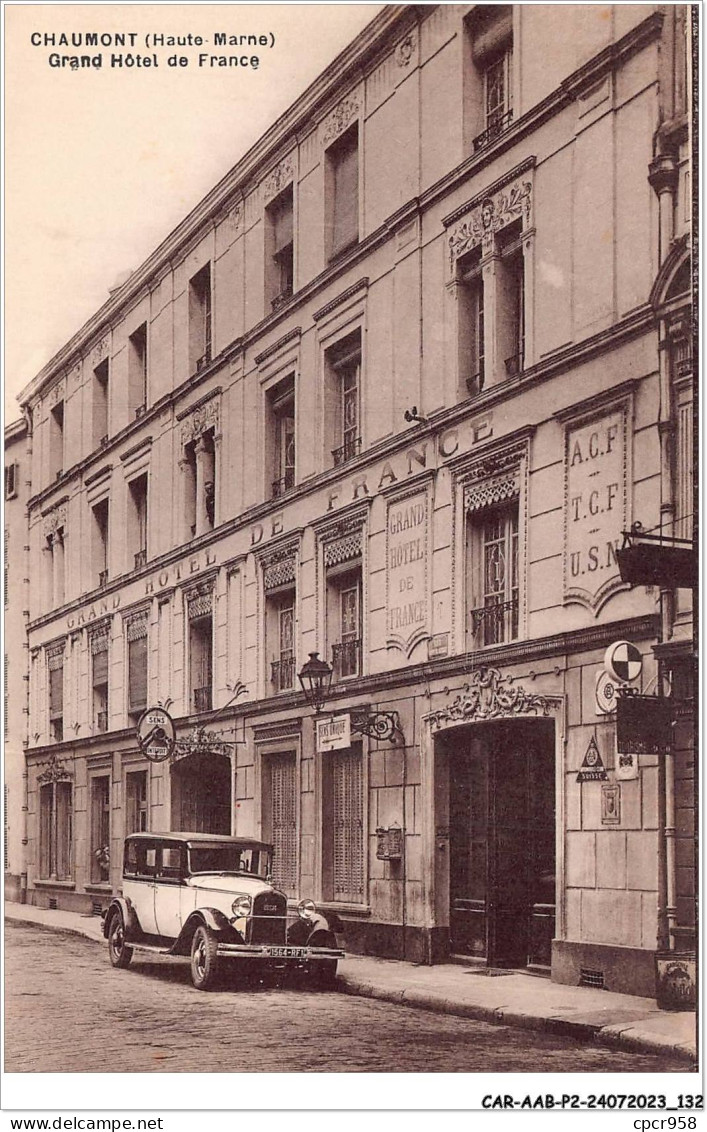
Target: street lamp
315 679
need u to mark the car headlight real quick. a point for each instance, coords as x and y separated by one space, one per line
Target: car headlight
242 906
307 909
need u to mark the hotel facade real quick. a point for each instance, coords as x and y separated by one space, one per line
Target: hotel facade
391 394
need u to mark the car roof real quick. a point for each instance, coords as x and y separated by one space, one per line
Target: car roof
197 838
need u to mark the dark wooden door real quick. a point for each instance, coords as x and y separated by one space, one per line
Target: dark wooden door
502 843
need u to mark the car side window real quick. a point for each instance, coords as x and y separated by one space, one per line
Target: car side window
171 868
140 859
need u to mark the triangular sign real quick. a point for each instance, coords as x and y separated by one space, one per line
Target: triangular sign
592 768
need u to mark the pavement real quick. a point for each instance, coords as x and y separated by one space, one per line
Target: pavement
512 999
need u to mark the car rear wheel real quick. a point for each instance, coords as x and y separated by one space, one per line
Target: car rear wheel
204 958
120 953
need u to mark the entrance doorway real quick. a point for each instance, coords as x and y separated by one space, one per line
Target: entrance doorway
502 842
201 793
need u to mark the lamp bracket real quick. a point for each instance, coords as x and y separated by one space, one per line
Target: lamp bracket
381 725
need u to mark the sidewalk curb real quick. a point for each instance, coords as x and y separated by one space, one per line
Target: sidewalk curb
561 1027
610 1035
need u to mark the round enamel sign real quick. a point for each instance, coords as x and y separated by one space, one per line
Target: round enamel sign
605 693
623 661
155 734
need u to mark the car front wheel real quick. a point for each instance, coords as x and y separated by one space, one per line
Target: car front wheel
204 958
120 953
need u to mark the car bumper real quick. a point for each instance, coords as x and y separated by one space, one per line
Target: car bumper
278 953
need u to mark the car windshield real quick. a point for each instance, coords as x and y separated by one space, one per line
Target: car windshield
254 860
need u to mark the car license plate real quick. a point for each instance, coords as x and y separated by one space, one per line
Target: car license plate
285 952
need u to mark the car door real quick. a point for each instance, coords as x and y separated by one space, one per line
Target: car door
139 876
169 888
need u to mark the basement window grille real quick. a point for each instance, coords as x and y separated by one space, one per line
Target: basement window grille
96 907
588 977
52 904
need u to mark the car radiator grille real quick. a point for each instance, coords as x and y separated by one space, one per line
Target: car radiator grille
269 920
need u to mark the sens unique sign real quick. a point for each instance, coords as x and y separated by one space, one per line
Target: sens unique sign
333 733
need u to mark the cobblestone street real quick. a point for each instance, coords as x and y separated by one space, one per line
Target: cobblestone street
68 1010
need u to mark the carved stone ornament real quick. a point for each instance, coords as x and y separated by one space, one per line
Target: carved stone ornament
203 418
490 216
99 637
404 50
136 625
491 696
235 217
99 352
54 521
492 491
75 373
56 771
343 541
200 599
340 119
279 573
278 179
56 393
55 656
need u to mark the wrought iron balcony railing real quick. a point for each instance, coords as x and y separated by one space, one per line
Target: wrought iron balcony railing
346 658
203 361
101 721
279 487
140 559
103 578
348 450
475 383
498 124
283 674
281 299
202 698
495 622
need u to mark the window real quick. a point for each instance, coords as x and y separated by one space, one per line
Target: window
490 85
56 441
6 563
283 662
282 428
55 830
343 860
342 555
280 818
100 403
137 665
136 802
494 575
199 468
137 521
5 697
100 829
510 307
55 666
100 542
137 371
342 192
200 329
99 679
472 356
11 476
279 249
201 662
343 393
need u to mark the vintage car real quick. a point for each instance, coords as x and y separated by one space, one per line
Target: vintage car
212 898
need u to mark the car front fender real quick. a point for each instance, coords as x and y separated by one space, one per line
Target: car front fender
121 906
211 918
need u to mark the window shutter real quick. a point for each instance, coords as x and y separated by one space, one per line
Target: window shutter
64 829
6 853
137 665
348 826
100 668
345 220
283 821
56 692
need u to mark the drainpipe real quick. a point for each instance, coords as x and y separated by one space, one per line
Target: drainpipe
663 178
